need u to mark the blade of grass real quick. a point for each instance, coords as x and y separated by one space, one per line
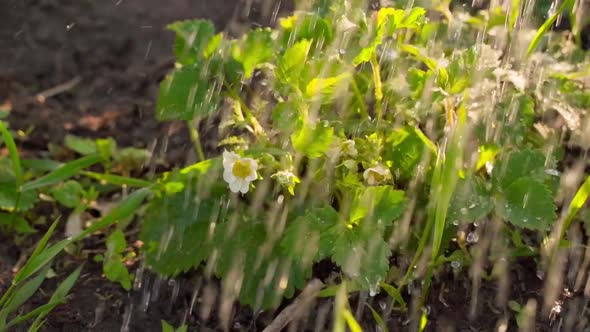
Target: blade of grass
353 325
62 173
547 25
36 263
23 293
58 296
117 179
29 315
13 153
394 294
578 201
339 307
16 164
126 208
378 319
40 247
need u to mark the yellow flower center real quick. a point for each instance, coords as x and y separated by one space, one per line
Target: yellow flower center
377 177
241 169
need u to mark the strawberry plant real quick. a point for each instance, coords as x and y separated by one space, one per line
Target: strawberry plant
323 123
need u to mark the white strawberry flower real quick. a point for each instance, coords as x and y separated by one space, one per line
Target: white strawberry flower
376 175
238 172
349 148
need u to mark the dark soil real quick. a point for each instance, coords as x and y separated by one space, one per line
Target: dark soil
106 59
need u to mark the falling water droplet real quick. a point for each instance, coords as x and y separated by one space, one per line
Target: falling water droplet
472 237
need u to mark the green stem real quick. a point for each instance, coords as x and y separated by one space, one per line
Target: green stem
194 132
378 87
258 130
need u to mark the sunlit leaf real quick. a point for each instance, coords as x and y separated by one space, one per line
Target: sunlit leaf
254 49
406 147
518 164
186 93
192 40
327 87
379 204
292 63
313 142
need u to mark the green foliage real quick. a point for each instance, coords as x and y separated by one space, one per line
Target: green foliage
313 142
253 50
114 267
528 204
346 112
186 94
471 202
169 328
192 40
27 282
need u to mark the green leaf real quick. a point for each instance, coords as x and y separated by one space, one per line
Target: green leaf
247 250
84 146
173 226
167 327
379 205
313 141
23 293
518 164
362 257
378 319
416 79
292 62
69 193
20 224
9 194
118 180
394 293
287 116
186 93
389 20
57 297
577 203
327 87
116 271
310 234
13 152
64 172
255 49
192 40
125 209
113 267
528 203
308 26
470 202
547 25
406 147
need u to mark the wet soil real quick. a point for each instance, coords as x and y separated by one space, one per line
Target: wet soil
91 68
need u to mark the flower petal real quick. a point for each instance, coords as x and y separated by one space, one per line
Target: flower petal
229 158
245 187
235 186
228 176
